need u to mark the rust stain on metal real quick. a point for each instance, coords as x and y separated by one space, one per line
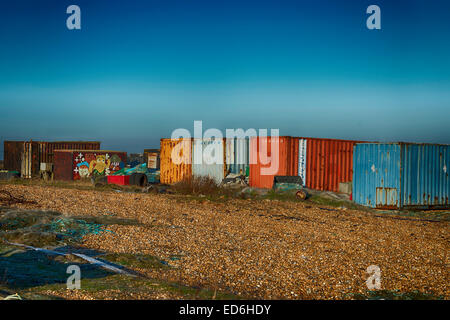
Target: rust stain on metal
328 162
174 171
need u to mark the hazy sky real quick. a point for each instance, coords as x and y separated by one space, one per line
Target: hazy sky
139 69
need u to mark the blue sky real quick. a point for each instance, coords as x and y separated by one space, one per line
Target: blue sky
139 69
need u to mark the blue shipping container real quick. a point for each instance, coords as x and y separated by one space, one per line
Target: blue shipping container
401 175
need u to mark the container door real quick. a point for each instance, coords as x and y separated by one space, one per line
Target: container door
386 198
376 175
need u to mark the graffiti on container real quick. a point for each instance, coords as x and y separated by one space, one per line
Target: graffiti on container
83 169
100 165
116 163
93 165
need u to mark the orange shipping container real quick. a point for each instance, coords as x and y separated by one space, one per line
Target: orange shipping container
285 161
175 160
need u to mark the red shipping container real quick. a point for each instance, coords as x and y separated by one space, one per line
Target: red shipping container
284 162
328 162
120 180
322 163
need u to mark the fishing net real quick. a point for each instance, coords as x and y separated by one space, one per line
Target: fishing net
43 228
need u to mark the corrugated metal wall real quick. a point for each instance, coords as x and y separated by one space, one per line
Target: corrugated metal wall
286 160
401 175
46 149
208 159
328 162
170 171
237 155
321 163
12 155
41 152
63 165
376 175
425 180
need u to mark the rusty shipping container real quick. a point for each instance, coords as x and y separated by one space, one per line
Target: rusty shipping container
269 159
175 160
321 163
12 155
328 162
83 164
402 175
27 156
46 149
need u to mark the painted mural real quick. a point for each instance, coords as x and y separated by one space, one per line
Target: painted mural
91 164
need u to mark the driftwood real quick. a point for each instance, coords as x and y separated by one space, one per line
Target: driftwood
7 198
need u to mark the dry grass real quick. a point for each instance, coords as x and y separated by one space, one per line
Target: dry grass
197 186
